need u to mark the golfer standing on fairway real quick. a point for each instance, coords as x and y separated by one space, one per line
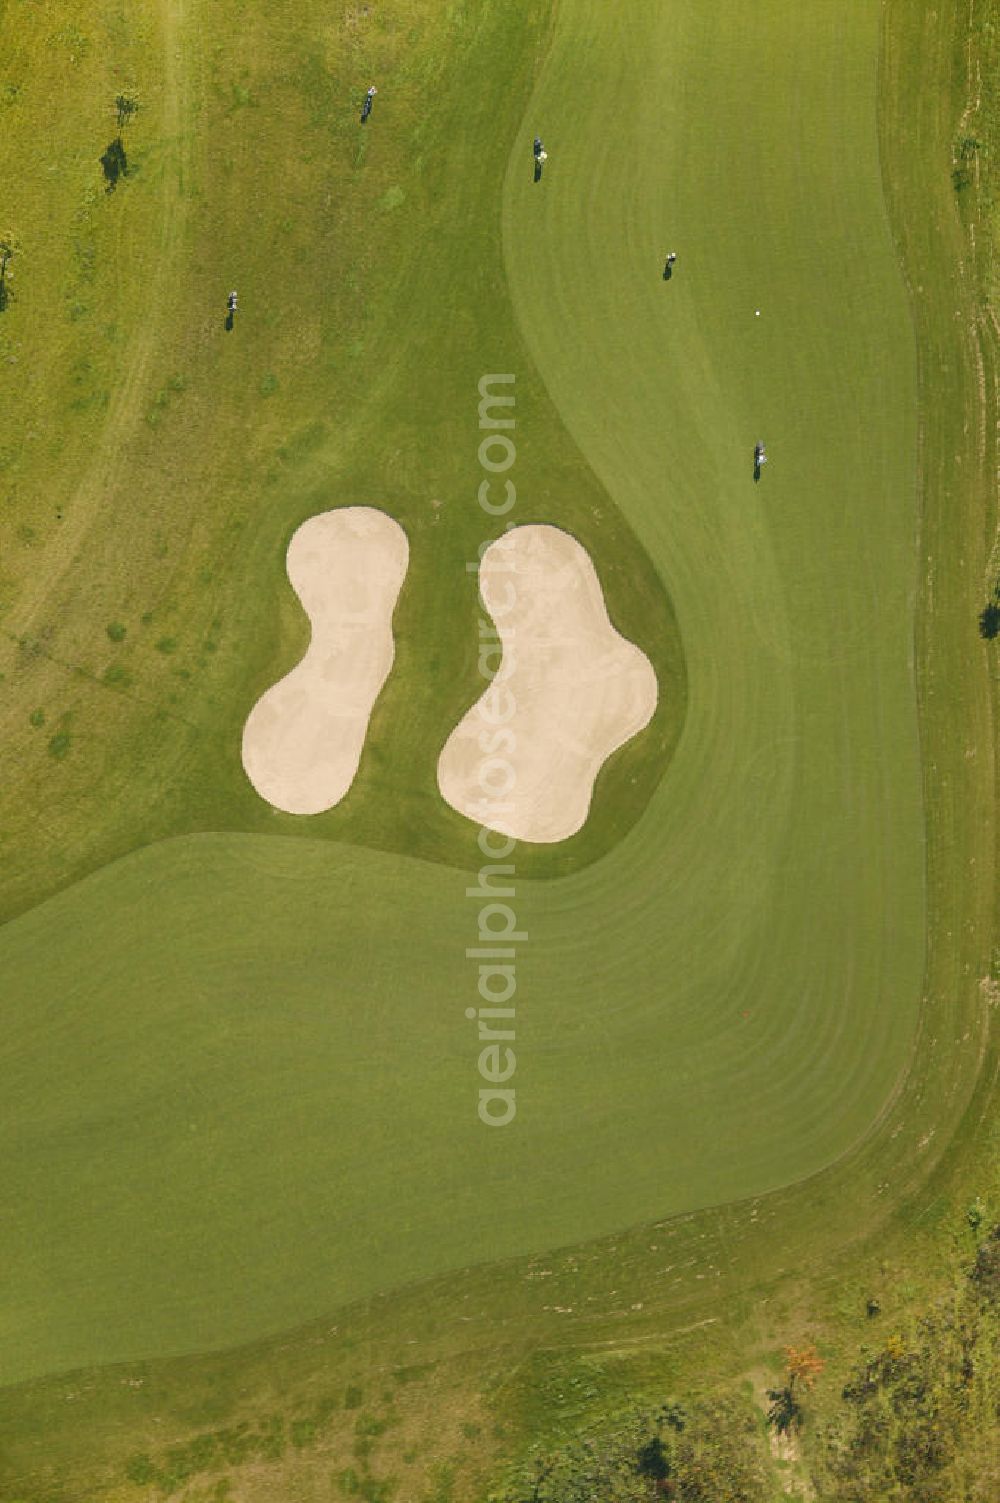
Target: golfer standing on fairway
540 157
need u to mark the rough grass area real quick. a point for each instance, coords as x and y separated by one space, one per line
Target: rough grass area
153 466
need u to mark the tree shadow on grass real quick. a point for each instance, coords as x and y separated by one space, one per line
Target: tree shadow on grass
114 164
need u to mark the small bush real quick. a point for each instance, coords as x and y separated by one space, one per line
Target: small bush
303 1432
235 1445
443 1483
651 1460
272 1439
985 1274
116 631
140 1470
376 1490
37 718
59 745
352 1397
167 645
989 621
114 164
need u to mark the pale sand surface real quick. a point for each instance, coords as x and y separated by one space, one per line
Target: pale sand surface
569 691
302 741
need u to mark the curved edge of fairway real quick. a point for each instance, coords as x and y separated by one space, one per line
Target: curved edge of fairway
702 951
795 596
209 447
791 1237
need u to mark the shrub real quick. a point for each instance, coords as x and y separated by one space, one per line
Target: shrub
370 1424
303 1432
989 621
140 1470
985 1273
377 1490
116 631
713 1455
651 1460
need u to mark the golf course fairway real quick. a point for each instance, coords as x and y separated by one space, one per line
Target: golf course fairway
240 1083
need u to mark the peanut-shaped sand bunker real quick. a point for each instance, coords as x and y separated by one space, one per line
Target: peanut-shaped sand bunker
302 741
568 692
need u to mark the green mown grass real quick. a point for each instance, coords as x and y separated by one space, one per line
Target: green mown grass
252 1042
744 970
154 467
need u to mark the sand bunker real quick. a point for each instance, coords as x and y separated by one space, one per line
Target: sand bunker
302 741
569 691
